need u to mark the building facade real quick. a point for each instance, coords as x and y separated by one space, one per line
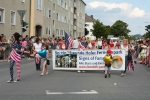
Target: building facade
52 18
10 19
89 21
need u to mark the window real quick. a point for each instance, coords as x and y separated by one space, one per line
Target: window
72 10
48 30
61 33
48 13
39 4
62 2
62 18
58 17
53 22
2 15
13 17
58 2
57 32
65 20
54 8
66 6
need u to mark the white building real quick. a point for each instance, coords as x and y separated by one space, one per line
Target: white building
89 21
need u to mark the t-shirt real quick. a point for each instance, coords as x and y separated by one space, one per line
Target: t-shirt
99 43
85 44
125 48
24 43
37 46
75 44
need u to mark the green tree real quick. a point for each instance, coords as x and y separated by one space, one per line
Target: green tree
146 35
99 29
119 28
107 31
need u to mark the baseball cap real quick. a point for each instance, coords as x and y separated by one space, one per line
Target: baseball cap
109 51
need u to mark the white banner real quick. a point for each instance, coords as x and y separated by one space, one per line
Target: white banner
86 60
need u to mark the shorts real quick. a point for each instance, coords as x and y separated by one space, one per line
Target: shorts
107 68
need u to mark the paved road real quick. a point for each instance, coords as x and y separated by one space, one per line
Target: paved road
135 86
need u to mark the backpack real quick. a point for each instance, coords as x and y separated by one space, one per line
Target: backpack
129 55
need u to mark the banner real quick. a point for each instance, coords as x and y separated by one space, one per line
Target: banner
87 60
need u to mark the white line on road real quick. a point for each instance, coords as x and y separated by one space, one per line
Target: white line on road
59 93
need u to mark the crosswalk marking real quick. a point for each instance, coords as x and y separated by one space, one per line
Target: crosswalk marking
60 93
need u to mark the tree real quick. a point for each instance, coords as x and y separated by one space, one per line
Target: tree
146 35
119 28
99 29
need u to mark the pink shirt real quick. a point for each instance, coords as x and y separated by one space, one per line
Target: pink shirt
24 43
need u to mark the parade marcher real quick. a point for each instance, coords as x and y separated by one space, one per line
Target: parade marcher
105 45
44 68
108 60
83 44
75 43
15 56
125 47
111 44
99 43
118 44
36 48
92 45
130 64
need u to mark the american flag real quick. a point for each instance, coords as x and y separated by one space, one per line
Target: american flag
15 56
81 47
68 40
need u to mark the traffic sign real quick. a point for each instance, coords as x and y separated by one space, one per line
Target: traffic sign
21 13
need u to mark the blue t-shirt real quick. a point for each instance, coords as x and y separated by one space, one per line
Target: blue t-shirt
17 46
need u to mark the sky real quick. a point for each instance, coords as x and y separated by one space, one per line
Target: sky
136 13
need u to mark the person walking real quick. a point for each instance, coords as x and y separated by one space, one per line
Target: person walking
125 47
15 56
44 68
36 48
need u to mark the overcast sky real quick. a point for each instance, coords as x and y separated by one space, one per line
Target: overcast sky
136 13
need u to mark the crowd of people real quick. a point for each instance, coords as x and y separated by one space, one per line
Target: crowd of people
30 46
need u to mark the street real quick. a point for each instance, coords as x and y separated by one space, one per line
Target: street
69 85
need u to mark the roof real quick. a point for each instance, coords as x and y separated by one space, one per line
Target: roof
89 18
83 2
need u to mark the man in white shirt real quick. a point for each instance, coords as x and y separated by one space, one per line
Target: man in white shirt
75 43
99 43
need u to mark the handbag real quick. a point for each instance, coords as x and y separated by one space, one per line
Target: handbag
48 62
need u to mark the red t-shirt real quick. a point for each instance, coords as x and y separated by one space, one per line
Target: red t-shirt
111 44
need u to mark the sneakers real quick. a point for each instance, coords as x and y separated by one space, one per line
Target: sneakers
47 73
79 71
17 80
42 74
10 81
105 76
108 76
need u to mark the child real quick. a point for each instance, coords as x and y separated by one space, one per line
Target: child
44 46
108 60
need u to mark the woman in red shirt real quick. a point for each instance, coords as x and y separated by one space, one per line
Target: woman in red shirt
111 44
